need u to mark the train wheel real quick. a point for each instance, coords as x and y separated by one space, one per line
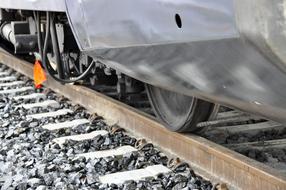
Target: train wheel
178 112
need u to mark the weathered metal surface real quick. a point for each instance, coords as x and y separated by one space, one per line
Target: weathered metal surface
212 159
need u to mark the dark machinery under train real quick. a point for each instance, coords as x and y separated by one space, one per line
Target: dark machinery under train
189 55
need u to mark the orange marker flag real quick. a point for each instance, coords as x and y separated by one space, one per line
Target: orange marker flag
39 74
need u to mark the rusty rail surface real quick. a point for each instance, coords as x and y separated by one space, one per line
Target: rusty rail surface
210 159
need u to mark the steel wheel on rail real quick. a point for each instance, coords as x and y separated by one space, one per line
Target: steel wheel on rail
178 112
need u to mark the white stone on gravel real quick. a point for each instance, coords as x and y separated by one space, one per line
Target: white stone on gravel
34 182
50 114
30 96
41 187
15 90
67 124
106 153
9 84
44 104
134 175
10 78
4 73
81 137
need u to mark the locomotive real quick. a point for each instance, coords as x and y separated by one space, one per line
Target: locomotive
189 55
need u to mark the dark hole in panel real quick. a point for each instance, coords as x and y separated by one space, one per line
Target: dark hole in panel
178 20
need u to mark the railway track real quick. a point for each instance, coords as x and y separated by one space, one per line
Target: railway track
252 136
208 159
47 143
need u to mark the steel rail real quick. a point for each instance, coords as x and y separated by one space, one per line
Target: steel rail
210 160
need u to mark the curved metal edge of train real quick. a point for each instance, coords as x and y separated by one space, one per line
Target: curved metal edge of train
227 51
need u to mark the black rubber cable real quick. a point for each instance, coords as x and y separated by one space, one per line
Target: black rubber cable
47 66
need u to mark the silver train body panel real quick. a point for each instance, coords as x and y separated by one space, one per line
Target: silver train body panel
228 51
41 5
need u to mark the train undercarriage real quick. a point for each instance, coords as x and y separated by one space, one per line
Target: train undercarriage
183 54
48 37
